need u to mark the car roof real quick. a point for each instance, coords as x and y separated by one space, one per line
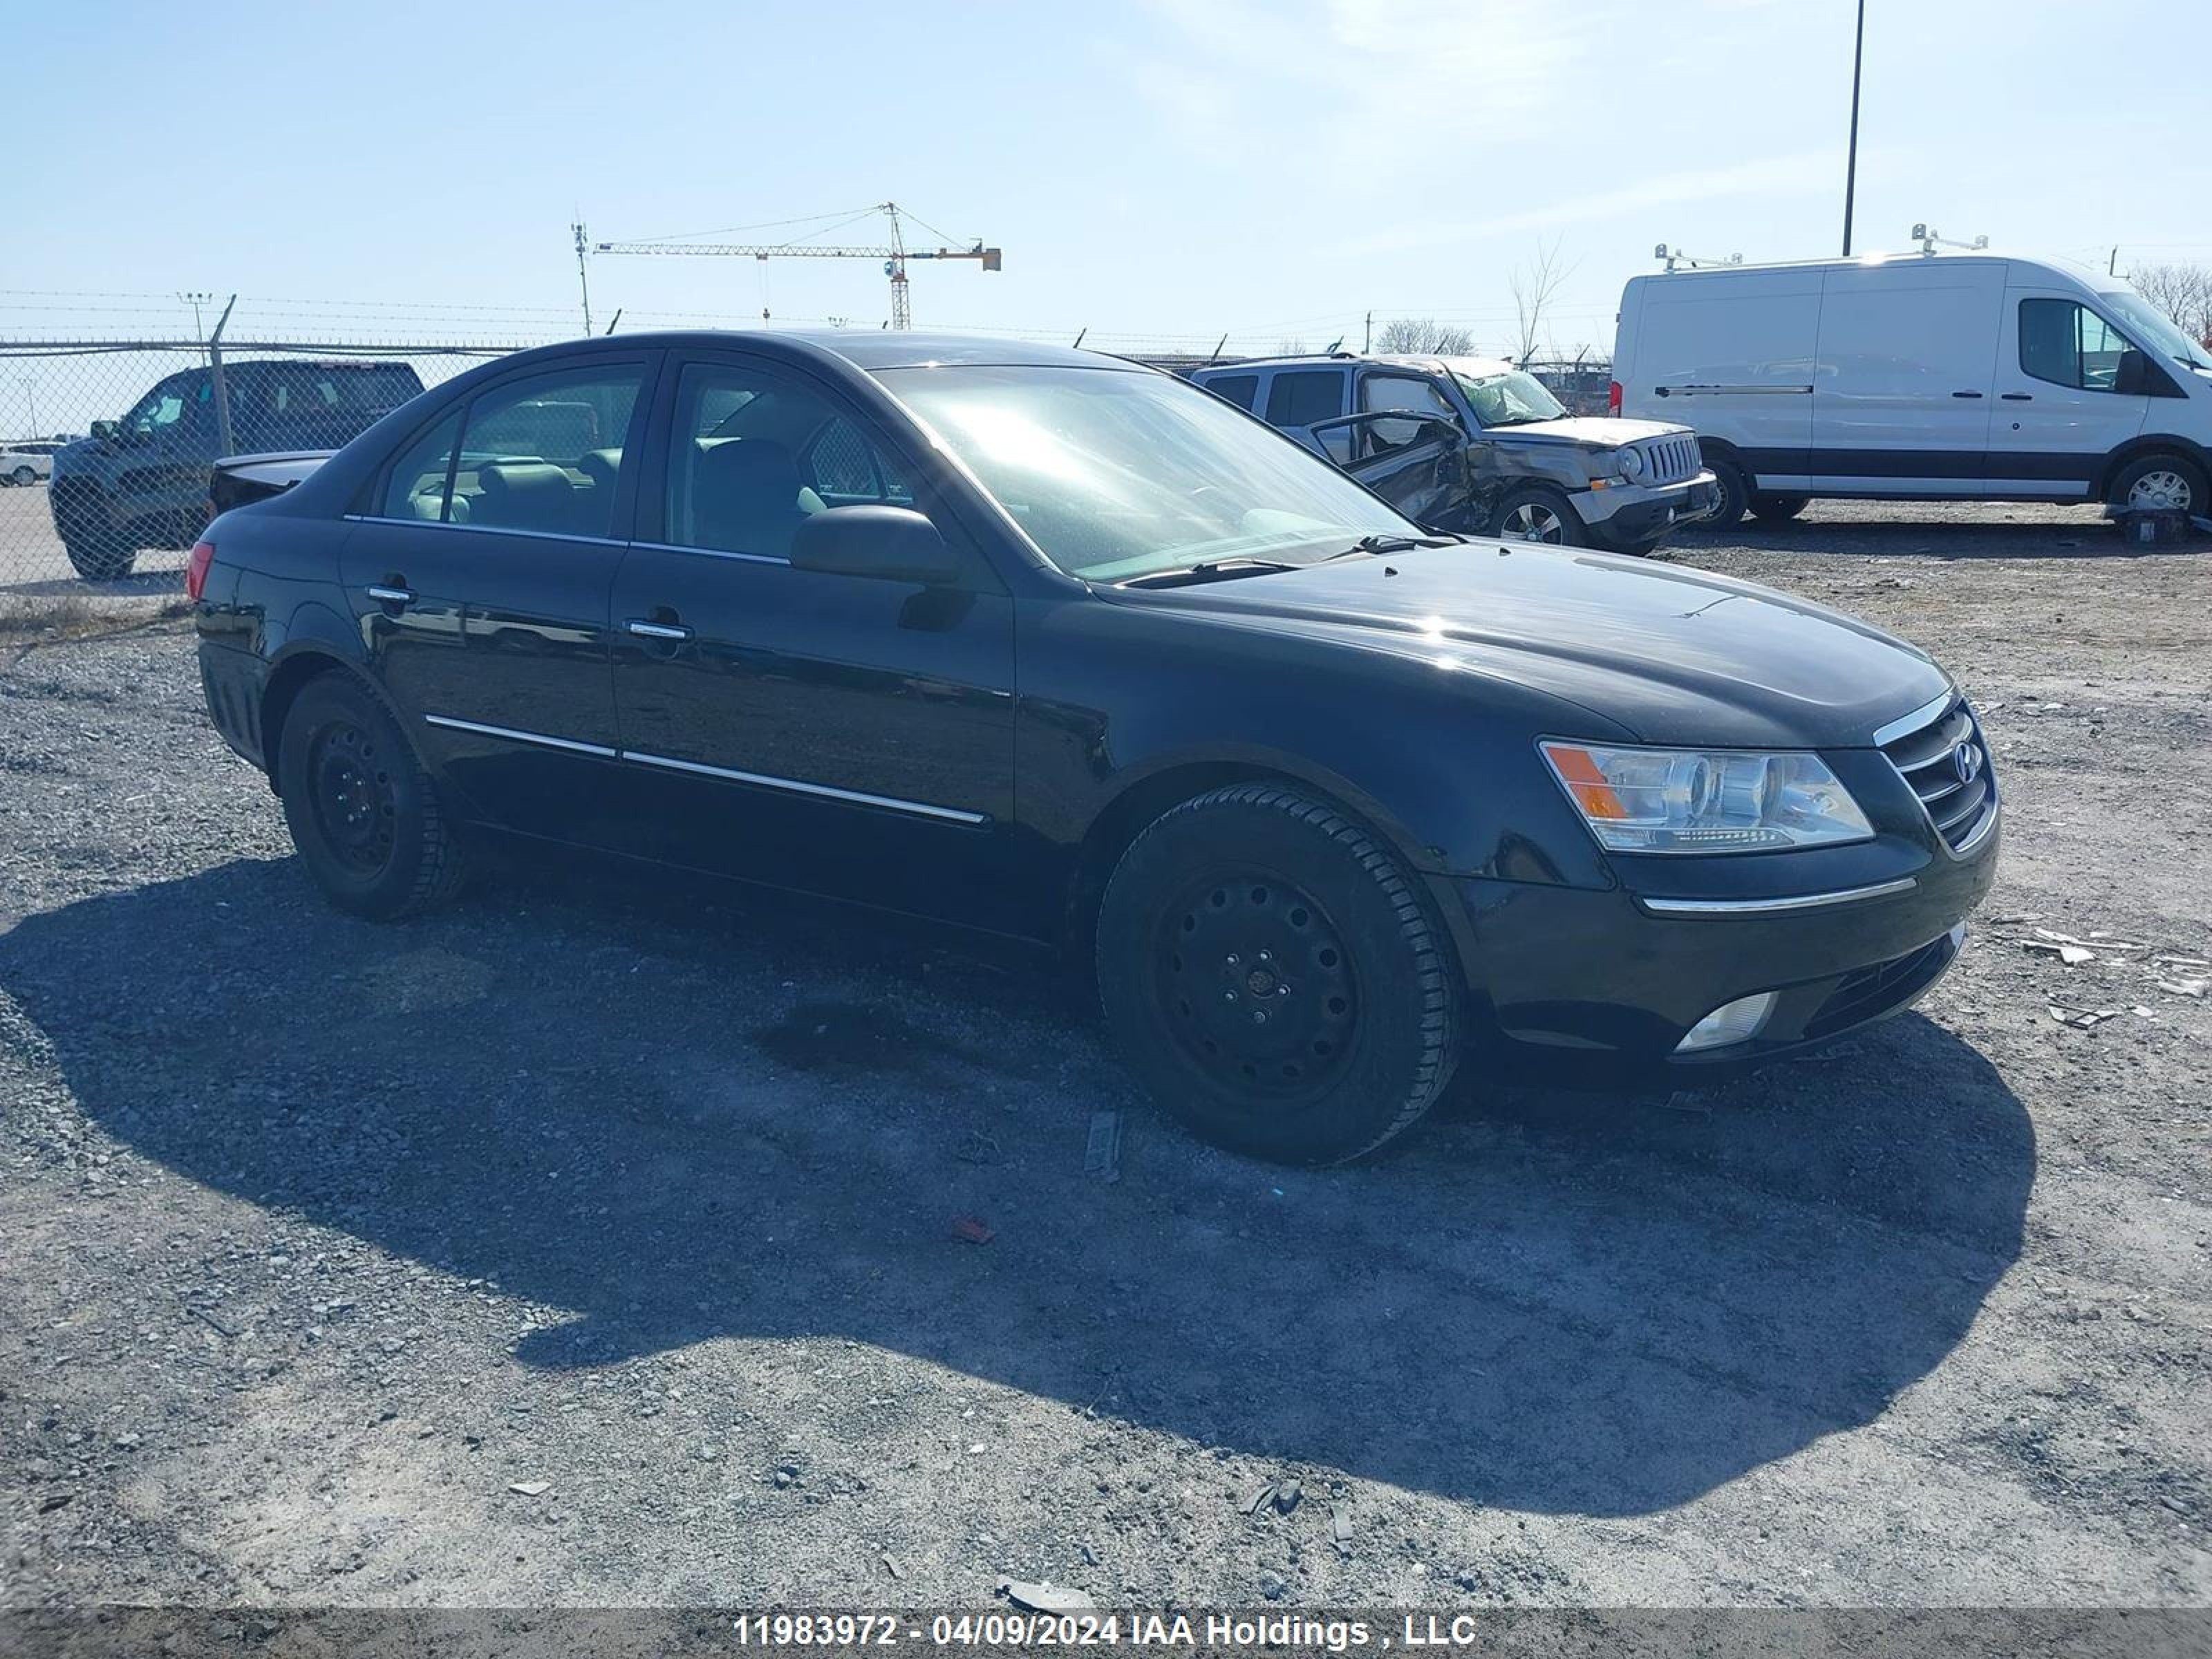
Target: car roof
863 348
1341 359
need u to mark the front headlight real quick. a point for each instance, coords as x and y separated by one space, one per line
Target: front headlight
1701 801
1629 464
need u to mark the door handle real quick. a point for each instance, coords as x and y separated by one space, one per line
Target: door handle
392 595
2020 396
653 630
1965 394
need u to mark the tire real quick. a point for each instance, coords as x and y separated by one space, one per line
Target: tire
362 811
1273 977
1778 509
1736 494
100 556
1533 513
2162 482
22 478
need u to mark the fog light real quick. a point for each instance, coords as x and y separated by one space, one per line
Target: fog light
1732 1022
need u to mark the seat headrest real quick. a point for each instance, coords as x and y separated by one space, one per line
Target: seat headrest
750 470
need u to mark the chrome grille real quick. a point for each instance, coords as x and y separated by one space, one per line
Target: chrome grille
1672 460
1959 797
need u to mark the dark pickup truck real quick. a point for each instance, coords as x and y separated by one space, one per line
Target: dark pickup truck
142 482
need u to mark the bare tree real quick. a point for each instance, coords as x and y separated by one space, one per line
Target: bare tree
2183 292
1534 286
1422 334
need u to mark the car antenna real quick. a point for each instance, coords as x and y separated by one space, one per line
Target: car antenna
612 320
1216 357
1079 333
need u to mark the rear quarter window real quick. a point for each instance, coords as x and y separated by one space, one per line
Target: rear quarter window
1239 389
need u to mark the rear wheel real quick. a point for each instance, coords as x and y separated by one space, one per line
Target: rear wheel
1736 494
1778 509
23 477
361 808
2159 483
1535 514
1273 976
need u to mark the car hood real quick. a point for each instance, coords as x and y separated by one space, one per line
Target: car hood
1599 431
1654 652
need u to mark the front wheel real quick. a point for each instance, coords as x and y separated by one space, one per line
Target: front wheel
1736 494
100 556
1535 514
2159 483
22 478
1271 975
361 810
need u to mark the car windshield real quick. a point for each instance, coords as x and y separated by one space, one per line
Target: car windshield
1118 474
1513 398
2156 330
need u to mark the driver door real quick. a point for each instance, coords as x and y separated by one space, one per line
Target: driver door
836 734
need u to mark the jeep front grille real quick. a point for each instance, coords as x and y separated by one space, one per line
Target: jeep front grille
1671 460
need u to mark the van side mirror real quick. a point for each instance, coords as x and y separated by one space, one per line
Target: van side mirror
2132 376
889 543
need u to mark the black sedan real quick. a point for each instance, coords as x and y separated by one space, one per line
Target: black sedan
1038 642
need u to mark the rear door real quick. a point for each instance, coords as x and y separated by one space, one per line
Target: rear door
1904 380
480 572
1730 354
2059 408
1298 399
832 733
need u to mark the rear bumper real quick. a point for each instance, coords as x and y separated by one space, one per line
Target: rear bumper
1598 989
1637 515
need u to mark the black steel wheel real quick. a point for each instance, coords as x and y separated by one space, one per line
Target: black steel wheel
361 810
1273 976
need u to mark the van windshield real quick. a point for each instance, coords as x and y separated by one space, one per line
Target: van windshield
1512 398
1115 474
2155 328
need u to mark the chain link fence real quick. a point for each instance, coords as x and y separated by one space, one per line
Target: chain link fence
107 445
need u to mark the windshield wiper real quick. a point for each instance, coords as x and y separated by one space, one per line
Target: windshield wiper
1208 570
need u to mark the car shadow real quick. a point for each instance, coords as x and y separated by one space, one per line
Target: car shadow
681 1120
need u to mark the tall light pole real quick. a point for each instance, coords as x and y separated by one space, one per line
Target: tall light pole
195 298
1851 165
31 401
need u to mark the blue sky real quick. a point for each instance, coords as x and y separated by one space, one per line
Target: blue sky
1155 170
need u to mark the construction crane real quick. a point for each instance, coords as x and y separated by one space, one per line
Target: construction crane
894 256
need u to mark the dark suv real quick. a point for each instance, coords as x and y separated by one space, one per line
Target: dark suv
142 482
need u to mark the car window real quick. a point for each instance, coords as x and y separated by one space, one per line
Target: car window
1412 393
1301 397
2067 344
546 453
756 451
1239 389
161 408
415 487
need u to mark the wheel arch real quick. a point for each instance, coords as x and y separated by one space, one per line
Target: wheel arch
2152 443
1144 796
294 669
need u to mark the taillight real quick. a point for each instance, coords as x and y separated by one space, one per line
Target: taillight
1613 397
195 570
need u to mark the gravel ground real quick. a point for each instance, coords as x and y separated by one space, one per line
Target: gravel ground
590 1245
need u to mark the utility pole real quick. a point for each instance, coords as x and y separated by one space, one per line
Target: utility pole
196 299
583 279
1851 165
31 401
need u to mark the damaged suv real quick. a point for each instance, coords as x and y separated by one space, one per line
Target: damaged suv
1475 445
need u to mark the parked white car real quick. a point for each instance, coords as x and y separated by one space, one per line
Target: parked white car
28 461
1920 377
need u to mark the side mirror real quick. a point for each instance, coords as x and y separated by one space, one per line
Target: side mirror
103 430
2132 375
889 543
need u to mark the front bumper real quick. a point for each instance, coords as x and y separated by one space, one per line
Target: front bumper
1598 989
1630 515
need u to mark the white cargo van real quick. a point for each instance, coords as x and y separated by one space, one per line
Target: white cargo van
1919 377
